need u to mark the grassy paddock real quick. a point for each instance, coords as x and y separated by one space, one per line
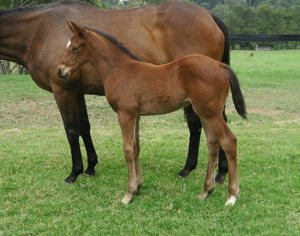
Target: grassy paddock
35 159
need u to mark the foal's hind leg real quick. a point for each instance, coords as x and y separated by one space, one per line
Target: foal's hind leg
213 151
223 165
127 123
228 142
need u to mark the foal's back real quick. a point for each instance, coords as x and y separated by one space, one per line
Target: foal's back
157 89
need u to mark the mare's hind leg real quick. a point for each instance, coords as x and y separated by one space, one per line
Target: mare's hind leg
223 165
195 127
127 123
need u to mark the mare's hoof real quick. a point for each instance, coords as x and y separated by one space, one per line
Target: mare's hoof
184 173
220 178
231 201
70 180
89 173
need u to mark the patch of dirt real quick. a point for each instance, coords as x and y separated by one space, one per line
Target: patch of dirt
264 111
258 110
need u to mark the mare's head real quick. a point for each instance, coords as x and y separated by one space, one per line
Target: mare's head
77 52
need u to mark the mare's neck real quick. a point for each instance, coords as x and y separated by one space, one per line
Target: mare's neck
17 33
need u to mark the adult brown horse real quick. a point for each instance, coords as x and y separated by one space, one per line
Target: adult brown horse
36 37
134 88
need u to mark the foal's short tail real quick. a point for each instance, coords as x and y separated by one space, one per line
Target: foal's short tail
236 92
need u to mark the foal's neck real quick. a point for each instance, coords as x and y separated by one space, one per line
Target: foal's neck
108 58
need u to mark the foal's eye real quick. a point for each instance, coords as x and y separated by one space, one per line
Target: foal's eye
75 49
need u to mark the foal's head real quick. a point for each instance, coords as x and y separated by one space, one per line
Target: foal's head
77 52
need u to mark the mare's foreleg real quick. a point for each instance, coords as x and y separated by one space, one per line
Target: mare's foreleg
67 101
127 123
87 139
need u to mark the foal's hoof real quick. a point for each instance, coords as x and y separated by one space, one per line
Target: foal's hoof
231 201
205 194
127 199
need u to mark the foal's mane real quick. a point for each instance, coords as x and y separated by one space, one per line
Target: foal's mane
113 40
9 11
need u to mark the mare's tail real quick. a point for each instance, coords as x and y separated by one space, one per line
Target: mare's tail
236 92
223 28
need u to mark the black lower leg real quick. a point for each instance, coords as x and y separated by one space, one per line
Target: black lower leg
194 125
90 149
85 129
77 169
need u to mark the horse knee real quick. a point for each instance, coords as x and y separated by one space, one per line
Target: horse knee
72 135
213 148
128 153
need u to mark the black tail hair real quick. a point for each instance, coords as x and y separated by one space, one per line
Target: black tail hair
223 28
237 96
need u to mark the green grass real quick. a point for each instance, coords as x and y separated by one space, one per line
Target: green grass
35 159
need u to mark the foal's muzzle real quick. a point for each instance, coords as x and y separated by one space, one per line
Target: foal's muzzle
63 72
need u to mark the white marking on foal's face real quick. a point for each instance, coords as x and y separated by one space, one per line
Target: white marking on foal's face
69 43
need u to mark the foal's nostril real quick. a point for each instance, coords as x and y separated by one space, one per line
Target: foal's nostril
61 74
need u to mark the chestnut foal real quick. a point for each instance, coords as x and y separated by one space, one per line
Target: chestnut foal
134 88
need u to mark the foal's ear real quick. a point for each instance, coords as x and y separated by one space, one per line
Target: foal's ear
77 29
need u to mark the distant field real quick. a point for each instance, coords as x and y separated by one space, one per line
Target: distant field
35 159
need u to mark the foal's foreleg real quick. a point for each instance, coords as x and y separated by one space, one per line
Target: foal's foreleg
127 123
137 155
